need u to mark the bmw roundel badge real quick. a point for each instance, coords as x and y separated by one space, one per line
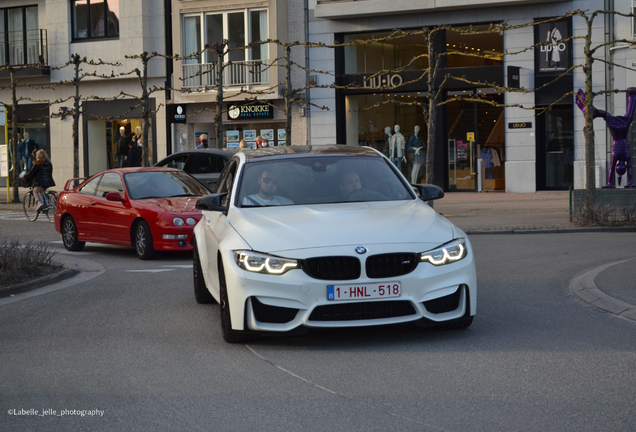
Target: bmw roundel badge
361 250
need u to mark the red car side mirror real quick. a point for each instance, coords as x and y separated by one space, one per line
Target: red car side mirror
114 196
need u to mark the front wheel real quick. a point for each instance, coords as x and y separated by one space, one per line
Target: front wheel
30 205
201 293
143 241
69 235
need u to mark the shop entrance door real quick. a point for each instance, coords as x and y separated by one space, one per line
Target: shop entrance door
476 130
462 169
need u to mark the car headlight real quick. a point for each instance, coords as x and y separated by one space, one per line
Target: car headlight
178 221
191 221
446 254
261 263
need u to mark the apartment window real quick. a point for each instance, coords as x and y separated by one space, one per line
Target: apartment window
95 19
239 28
20 39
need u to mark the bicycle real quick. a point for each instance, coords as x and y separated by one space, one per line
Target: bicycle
31 205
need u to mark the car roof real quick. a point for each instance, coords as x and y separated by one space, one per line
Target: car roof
305 150
223 152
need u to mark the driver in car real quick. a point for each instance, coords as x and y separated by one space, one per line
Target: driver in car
349 181
266 196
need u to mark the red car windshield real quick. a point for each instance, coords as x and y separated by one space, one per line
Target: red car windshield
162 184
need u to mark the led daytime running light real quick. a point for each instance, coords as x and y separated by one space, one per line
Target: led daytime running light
458 252
258 263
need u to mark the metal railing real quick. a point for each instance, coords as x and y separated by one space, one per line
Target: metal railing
24 47
202 75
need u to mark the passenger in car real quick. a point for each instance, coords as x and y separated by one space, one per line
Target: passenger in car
266 196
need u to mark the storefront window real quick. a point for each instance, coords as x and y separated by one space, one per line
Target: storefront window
473 46
369 56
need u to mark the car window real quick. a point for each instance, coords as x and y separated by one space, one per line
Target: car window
204 164
226 182
178 162
90 187
111 182
320 180
162 184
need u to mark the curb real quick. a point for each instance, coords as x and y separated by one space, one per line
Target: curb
585 289
521 230
39 282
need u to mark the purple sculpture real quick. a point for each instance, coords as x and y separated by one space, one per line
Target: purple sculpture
618 127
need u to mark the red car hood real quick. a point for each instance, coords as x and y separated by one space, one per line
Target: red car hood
174 204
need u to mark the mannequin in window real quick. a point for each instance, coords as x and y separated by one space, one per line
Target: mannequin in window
137 136
417 148
387 131
397 145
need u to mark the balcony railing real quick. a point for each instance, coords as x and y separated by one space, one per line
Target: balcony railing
25 47
243 73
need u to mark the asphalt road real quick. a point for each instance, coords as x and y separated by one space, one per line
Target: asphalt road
130 349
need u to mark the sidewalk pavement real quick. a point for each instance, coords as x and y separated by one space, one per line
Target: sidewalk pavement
512 213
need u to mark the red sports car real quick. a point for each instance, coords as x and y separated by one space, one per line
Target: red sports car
149 208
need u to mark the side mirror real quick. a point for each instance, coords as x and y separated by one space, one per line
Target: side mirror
114 196
428 192
212 203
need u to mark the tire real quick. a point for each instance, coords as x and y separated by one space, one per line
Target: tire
143 241
229 335
201 293
30 205
51 197
69 235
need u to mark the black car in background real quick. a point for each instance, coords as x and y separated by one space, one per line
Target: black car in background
203 164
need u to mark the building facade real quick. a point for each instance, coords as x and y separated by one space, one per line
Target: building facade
381 84
38 39
253 74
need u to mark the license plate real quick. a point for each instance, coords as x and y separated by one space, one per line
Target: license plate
364 291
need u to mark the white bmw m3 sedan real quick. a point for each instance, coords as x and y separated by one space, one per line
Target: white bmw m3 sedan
328 237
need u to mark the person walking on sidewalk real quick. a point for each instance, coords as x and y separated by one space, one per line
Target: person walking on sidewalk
21 153
31 147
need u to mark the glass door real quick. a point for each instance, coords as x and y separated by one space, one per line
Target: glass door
462 168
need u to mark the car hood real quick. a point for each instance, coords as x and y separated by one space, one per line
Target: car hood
174 204
286 228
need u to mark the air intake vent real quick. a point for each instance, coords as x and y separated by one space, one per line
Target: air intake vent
362 311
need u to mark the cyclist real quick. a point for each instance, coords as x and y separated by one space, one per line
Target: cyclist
41 176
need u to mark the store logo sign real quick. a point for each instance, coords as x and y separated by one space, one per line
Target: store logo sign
250 111
383 80
179 114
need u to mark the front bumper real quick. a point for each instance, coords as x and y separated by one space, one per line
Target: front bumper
283 303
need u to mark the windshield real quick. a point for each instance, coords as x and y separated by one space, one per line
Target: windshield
320 180
162 184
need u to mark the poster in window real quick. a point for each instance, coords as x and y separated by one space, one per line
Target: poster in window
553 51
249 135
267 134
232 136
282 135
252 144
